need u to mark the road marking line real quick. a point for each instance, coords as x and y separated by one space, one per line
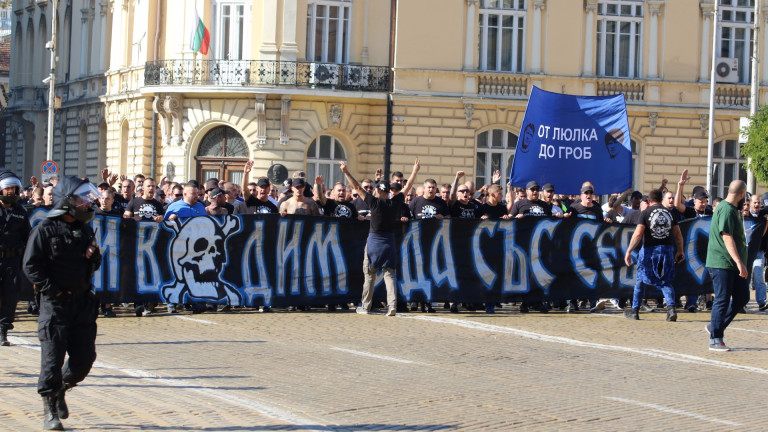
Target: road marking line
380 357
672 411
665 355
264 409
747 330
197 320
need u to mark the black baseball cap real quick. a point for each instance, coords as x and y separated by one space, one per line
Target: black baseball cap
214 192
548 187
298 182
532 184
397 187
701 194
587 188
383 186
263 181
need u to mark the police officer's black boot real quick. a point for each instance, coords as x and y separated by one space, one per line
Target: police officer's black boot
61 404
50 415
4 337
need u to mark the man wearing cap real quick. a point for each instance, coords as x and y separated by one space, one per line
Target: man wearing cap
336 206
145 207
697 206
359 204
60 258
257 200
586 207
218 203
14 232
188 206
380 251
531 205
298 203
548 196
662 248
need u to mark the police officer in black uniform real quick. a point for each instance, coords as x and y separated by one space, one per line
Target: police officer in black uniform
60 259
14 231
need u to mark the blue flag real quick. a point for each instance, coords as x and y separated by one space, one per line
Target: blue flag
567 140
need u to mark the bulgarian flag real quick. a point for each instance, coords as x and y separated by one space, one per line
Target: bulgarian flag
200 38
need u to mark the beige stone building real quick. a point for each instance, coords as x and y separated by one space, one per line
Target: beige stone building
306 83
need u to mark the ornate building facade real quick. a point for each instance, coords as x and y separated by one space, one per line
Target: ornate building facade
306 83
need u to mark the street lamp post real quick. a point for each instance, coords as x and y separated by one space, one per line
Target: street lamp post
51 81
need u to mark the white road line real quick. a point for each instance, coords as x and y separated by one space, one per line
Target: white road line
197 320
747 330
672 411
264 409
665 355
380 357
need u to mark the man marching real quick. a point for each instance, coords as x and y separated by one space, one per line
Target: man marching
380 251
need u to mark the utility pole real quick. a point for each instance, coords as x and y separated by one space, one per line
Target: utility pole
712 89
51 81
753 96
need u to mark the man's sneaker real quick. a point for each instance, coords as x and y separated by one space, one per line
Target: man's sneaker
631 314
291 308
571 308
708 329
692 308
598 307
265 309
645 307
671 315
391 311
523 308
615 303
763 307
109 313
491 308
454 307
362 311
718 346
139 311
223 308
4 337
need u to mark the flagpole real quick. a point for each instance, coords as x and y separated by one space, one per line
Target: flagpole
712 88
753 100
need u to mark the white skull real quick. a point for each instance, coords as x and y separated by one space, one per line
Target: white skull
198 256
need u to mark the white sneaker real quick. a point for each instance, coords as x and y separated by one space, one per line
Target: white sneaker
391 312
362 311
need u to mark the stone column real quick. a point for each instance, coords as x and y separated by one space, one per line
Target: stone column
469 43
289 50
538 8
84 38
268 49
707 12
364 52
654 7
589 38
104 7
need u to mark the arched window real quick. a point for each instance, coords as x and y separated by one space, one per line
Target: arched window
221 155
495 150
323 156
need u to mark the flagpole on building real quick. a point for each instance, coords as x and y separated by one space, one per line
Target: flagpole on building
753 99
712 85
51 81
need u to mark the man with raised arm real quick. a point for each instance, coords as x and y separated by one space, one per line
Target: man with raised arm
380 251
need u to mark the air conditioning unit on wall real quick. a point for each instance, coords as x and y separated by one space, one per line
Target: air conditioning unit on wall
727 70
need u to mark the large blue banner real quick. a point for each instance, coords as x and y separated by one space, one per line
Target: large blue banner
567 140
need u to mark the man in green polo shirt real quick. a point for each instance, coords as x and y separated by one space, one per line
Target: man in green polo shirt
726 258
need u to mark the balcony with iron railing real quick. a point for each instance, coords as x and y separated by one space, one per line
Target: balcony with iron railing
267 73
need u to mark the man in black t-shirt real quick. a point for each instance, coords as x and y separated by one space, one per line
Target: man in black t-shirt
359 203
586 207
145 207
380 251
662 248
494 208
337 205
107 205
531 205
429 205
257 199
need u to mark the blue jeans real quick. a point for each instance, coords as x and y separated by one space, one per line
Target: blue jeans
655 266
731 295
758 280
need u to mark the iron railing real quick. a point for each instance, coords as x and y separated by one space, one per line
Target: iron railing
254 73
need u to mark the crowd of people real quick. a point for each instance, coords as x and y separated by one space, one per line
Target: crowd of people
141 198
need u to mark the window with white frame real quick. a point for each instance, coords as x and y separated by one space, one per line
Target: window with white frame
727 166
328 30
619 36
323 157
232 31
495 150
735 33
502 35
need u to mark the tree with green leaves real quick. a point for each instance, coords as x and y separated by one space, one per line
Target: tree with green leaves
756 147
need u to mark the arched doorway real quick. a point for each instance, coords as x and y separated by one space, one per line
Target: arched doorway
222 154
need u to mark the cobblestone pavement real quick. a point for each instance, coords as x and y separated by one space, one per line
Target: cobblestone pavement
245 371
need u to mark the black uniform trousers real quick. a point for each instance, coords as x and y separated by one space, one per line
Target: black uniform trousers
10 279
66 328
